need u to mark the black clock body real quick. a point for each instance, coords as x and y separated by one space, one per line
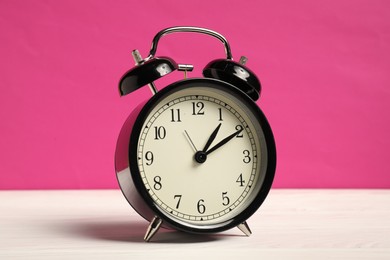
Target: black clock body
130 163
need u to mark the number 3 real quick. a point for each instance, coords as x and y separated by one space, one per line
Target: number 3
247 158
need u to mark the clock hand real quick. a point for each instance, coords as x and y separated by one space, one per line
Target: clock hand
224 141
201 156
211 138
190 140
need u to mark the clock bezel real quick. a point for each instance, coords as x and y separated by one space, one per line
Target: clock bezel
270 149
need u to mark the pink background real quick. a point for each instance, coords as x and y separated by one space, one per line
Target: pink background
324 66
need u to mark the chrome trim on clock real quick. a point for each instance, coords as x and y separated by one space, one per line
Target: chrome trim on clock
170 30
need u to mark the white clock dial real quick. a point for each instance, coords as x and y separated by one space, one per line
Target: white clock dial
187 182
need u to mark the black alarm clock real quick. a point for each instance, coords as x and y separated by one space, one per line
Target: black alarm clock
199 156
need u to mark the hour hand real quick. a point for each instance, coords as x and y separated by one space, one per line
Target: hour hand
211 138
201 156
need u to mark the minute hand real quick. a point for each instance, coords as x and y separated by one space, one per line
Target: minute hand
222 142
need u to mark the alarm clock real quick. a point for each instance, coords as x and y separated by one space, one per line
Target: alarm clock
199 155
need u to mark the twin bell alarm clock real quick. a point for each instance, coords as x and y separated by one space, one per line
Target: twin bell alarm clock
199 155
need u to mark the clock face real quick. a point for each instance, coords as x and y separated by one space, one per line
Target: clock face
201 155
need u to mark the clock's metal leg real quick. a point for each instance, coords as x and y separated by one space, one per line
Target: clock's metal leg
153 228
245 229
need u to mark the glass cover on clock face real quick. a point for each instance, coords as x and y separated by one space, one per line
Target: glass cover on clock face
201 156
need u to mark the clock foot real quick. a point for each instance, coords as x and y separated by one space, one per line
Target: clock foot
154 226
245 228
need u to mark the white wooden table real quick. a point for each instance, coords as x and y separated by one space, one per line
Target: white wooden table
99 224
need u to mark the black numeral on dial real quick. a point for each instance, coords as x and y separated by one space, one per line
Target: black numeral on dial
240 180
240 128
178 197
157 183
201 207
159 132
247 157
175 115
149 157
220 114
197 108
225 199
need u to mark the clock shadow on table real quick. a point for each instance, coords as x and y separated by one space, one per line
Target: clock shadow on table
134 231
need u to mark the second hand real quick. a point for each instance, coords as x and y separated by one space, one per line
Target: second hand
191 142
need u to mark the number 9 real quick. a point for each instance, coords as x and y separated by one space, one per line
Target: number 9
149 158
